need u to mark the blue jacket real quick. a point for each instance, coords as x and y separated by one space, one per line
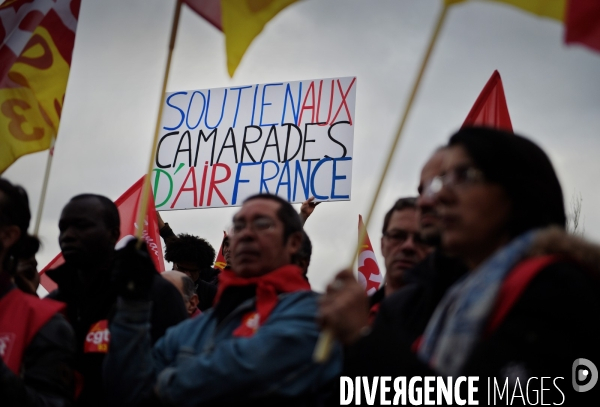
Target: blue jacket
198 362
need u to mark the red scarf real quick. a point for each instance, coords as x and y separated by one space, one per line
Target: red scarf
286 279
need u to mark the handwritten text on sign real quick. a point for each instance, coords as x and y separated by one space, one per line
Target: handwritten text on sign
219 146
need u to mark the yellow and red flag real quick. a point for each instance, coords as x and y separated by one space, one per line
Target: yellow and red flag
581 17
37 38
546 8
240 20
369 275
582 23
490 108
220 262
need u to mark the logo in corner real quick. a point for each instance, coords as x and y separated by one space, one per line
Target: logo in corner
585 375
6 342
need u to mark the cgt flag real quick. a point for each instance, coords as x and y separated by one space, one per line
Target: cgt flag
240 20
490 108
127 204
37 38
369 275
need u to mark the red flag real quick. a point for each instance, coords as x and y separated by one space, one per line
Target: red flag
220 262
210 10
127 204
490 108
369 275
582 23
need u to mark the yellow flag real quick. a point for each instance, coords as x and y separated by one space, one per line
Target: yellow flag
242 21
36 54
546 8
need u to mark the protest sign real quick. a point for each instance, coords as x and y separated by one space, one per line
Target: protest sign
219 146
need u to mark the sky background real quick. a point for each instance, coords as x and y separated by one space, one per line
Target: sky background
553 95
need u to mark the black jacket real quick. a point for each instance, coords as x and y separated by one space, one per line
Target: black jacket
206 287
411 307
86 307
555 321
47 369
425 285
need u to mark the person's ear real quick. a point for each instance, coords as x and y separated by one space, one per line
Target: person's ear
294 243
9 235
194 301
115 233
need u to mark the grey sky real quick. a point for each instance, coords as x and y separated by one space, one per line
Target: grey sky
553 95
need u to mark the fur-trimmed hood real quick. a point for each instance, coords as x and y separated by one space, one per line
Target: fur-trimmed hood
557 241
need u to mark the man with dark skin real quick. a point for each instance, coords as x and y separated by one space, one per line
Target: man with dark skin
89 229
193 256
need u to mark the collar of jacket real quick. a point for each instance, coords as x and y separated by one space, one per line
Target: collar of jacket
67 279
286 279
556 241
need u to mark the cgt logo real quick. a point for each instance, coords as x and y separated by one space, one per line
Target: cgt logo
585 375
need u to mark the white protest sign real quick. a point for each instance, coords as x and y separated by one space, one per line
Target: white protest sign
219 146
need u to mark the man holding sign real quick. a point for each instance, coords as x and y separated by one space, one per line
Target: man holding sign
255 344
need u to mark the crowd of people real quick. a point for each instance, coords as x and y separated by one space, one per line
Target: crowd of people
481 280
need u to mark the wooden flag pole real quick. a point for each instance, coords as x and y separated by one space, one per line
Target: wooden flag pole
40 209
143 209
324 345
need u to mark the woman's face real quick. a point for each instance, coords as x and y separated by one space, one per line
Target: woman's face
474 213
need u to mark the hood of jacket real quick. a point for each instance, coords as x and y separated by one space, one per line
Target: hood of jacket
557 241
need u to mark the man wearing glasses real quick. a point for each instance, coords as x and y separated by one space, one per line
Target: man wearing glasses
418 273
401 244
254 345
402 248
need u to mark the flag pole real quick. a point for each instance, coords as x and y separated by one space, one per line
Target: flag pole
325 342
38 215
143 209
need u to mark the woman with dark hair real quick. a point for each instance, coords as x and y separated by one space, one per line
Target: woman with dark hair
530 303
36 343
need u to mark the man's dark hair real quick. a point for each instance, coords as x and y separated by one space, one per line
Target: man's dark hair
189 289
286 214
305 251
401 204
111 216
14 210
190 248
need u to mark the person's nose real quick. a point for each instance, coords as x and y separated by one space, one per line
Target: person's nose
244 235
409 246
67 235
444 197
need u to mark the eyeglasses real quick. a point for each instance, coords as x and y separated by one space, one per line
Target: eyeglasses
257 225
398 236
456 177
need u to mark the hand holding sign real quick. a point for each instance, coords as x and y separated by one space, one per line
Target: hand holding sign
134 272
